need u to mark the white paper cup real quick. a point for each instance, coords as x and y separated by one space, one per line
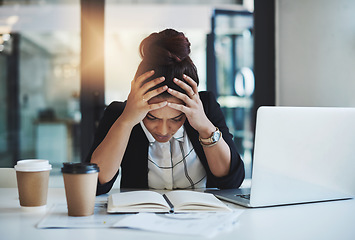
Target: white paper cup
32 182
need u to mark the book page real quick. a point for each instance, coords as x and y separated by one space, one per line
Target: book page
184 200
137 201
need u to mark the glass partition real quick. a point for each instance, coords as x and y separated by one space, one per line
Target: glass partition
231 75
40 83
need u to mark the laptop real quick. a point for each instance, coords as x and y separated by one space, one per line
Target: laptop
301 155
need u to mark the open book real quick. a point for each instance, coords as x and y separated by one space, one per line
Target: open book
174 201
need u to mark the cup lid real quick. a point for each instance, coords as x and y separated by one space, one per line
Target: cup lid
33 165
79 168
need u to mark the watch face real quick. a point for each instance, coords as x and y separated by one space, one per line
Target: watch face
216 136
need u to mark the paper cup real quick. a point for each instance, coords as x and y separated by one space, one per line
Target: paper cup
32 182
80 181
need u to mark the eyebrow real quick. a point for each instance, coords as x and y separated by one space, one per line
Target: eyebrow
151 115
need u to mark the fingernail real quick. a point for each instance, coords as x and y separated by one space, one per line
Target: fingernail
176 80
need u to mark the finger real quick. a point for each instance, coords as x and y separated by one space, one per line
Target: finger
151 84
185 87
157 105
192 83
144 76
179 107
149 95
179 95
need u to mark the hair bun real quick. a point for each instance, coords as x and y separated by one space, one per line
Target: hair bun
166 47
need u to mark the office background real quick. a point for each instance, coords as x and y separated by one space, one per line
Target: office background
304 56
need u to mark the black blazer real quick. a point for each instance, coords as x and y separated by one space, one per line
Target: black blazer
134 164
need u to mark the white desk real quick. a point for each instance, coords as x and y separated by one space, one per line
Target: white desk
327 220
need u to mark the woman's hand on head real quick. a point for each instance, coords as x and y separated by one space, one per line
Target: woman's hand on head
137 105
193 107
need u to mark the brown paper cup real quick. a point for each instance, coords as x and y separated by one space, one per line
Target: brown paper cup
80 188
32 188
32 182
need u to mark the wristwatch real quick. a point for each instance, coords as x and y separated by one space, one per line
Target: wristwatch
212 140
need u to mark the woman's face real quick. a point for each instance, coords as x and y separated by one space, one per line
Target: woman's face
163 123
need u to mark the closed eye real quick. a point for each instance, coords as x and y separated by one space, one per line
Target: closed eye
151 117
178 118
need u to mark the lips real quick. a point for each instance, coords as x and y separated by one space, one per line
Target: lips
162 138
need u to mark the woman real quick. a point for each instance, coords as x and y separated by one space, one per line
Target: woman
167 135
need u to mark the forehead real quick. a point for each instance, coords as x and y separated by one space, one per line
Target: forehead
165 112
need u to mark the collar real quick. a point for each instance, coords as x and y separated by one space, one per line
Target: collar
179 135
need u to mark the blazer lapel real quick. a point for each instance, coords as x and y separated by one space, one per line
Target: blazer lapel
135 160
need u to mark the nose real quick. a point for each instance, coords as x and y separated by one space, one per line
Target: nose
163 128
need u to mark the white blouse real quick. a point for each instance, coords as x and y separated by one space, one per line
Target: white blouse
174 164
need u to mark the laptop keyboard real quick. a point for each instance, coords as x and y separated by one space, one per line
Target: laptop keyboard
245 196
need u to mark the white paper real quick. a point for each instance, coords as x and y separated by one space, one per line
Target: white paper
200 224
57 217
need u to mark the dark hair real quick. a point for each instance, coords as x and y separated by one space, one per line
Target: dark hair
167 53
